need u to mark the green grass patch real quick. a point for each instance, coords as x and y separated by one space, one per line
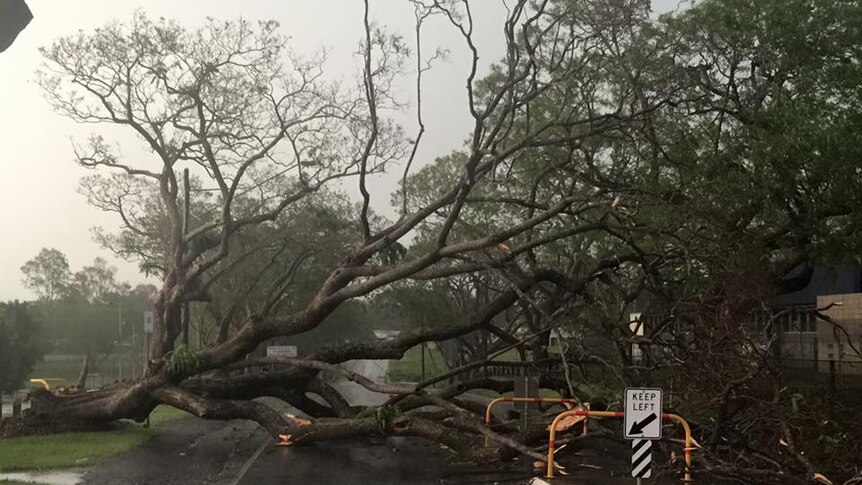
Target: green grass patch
510 355
68 449
65 450
163 414
409 368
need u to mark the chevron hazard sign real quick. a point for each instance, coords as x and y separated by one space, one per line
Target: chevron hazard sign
641 458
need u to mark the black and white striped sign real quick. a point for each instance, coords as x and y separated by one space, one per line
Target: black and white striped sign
641 458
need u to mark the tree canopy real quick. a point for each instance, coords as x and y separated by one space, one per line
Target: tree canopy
47 274
20 345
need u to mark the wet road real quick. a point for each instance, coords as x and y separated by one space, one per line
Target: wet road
384 462
195 451
189 451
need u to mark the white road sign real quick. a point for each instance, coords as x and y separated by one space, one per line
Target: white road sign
149 321
636 325
643 413
281 351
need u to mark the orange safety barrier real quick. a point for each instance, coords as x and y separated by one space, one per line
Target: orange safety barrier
618 414
553 400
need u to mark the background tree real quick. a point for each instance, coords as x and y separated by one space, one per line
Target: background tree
47 274
94 283
91 315
20 345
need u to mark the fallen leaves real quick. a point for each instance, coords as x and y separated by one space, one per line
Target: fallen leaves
567 423
819 478
299 421
285 440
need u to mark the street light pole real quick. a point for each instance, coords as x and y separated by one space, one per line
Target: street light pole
119 340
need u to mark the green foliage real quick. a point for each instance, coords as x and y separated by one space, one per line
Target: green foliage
392 254
183 361
421 304
80 327
279 266
773 138
352 321
20 345
384 415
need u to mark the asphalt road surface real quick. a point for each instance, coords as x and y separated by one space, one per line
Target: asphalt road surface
195 451
188 451
383 462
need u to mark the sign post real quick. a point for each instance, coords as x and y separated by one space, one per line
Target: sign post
643 414
641 459
149 327
636 325
149 321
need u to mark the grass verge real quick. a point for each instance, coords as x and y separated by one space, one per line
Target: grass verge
409 368
65 450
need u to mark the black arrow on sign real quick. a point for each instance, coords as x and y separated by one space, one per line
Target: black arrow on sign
638 427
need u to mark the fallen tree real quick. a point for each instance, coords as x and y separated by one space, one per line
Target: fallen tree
264 136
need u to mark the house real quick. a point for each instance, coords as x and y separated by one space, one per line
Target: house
804 339
839 343
835 291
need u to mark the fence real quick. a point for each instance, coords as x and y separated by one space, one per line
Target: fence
12 405
68 366
834 375
552 368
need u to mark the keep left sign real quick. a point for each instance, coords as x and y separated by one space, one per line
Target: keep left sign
643 413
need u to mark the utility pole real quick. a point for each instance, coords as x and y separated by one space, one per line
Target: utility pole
119 339
185 308
149 323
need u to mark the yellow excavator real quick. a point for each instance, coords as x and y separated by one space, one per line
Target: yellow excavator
50 383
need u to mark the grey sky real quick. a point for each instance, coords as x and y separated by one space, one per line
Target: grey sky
40 205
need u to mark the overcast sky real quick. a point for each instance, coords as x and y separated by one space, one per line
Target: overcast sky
38 198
